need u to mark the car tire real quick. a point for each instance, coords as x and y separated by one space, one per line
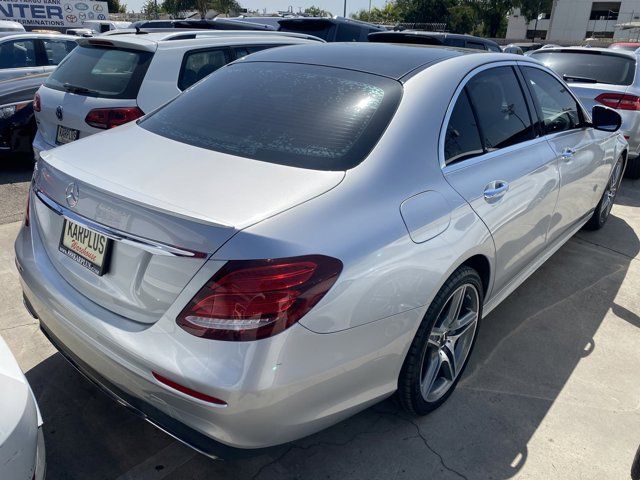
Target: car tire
439 351
603 209
633 168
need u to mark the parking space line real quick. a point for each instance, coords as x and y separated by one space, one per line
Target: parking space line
161 464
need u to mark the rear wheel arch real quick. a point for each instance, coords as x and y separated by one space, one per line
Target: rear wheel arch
480 263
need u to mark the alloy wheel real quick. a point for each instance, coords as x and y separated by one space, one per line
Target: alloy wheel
449 343
611 191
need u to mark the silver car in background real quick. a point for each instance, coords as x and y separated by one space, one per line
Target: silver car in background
307 231
603 76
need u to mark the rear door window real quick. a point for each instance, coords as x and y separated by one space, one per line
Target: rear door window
462 138
198 64
56 50
454 42
305 116
557 108
589 66
499 103
17 54
103 72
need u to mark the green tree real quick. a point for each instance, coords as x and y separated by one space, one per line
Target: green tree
493 16
424 11
151 9
116 7
462 19
530 9
388 14
314 11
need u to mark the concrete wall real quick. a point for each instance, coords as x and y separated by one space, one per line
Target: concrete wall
570 22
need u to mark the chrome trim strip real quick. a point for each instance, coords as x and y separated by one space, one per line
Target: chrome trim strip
151 246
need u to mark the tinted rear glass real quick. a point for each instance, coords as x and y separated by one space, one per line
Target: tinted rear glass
104 72
301 115
593 67
320 29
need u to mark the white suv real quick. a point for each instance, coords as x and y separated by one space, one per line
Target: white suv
109 81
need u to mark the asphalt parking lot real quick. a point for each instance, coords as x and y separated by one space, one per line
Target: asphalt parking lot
552 389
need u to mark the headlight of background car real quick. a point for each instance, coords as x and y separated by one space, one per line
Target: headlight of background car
8 111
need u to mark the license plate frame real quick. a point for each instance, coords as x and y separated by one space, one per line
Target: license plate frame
66 135
97 268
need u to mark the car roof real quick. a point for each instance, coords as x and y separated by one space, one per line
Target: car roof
27 35
385 59
416 34
608 51
153 41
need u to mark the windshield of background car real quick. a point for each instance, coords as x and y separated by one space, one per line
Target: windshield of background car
596 67
305 116
103 72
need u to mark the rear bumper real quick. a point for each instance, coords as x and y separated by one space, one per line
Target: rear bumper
277 389
161 420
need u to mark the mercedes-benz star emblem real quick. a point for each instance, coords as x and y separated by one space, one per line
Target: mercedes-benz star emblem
72 194
59 112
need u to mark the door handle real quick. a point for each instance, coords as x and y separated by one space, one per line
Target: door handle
567 154
495 190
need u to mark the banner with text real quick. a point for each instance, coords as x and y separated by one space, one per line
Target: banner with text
53 13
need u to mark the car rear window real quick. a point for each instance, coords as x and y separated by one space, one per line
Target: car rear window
102 72
319 28
300 115
585 66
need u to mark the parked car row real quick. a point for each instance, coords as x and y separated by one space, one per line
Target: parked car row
245 260
226 261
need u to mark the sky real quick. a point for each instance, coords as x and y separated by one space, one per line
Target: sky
333 6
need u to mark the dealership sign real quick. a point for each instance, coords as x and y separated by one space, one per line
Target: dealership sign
53 13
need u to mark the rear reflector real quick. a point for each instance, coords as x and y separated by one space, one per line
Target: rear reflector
106 118
620 101
253 299
187 390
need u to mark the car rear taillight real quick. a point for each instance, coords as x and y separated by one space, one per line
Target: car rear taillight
620 101
36 102
106 118
253 299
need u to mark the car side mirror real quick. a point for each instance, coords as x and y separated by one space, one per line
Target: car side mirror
605 118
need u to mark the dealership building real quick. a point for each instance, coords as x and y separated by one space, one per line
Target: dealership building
573 21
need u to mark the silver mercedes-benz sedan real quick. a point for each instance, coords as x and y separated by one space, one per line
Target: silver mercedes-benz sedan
308 231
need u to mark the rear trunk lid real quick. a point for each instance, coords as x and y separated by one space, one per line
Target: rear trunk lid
172 204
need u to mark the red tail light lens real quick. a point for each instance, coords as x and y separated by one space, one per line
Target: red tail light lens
620 101
106 118
36 102
253 299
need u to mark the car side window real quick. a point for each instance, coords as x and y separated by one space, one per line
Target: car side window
348 33
556 107
498 101
249 49
454 42
56 50
17 54
199 64
476 45
462 138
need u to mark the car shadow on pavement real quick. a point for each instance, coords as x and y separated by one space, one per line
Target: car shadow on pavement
526 355
15 170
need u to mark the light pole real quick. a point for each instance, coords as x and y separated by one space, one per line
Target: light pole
344 14
535 27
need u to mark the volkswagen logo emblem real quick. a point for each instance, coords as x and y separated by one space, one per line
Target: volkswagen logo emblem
72 194
59 112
